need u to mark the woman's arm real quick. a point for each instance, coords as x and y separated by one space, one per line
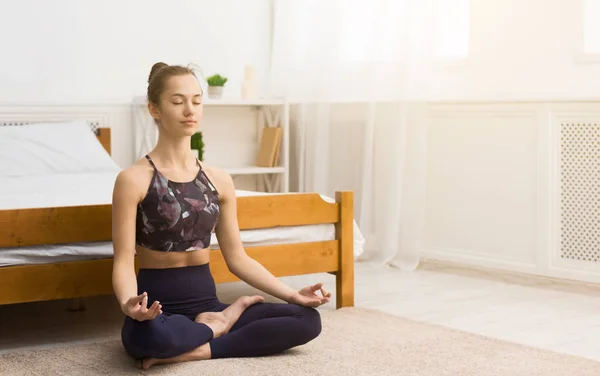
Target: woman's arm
248 269
230 243
123 235
124 204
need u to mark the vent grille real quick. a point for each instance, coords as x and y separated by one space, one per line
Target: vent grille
94 124
580 191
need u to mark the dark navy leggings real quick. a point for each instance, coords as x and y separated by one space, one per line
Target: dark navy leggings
262 329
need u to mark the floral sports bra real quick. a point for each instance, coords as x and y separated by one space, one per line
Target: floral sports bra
174 216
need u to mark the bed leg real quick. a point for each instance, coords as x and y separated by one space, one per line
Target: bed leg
344 280
76 304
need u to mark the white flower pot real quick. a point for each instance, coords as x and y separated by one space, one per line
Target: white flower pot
215 92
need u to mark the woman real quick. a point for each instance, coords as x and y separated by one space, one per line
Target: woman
165 208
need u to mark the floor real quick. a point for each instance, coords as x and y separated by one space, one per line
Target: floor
553 315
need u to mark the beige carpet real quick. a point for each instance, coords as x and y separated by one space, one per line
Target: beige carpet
353 342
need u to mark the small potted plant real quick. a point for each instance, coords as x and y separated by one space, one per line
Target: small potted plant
198 144
215 86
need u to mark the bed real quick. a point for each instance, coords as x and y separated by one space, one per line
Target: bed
55 220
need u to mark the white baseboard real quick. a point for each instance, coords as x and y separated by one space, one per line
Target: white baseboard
489 262
485 261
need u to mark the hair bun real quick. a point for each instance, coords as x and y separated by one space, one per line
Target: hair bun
159 75
155 68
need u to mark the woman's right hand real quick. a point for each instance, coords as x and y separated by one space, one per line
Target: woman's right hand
136 308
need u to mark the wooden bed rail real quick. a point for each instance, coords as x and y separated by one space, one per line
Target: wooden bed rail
24 227
71 224
292 209
37 282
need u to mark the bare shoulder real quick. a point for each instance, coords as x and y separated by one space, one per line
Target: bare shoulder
221 179
133 181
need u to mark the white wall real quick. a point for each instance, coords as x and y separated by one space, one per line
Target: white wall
521 50
74 51
87 55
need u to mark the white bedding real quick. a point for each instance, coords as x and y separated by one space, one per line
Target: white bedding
36 171
57 190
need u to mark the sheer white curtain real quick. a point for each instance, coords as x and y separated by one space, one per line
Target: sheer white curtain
359 71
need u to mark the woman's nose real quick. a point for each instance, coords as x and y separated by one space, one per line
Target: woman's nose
188 109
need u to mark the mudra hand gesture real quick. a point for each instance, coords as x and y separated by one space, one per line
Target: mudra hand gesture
308 297
136 308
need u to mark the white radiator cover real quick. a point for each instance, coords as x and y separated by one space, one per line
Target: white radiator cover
580 191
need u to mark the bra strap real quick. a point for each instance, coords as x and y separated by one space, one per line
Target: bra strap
150 160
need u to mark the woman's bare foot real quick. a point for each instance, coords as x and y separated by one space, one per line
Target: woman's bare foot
221 322
247 301
146 363
199 353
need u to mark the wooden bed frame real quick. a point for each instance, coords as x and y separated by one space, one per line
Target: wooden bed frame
38 226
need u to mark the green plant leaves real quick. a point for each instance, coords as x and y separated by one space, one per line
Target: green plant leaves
216 80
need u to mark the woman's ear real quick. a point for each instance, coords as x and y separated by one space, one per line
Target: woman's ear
153 109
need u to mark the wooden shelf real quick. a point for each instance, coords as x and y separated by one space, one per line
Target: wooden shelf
254 170
242 102
227 102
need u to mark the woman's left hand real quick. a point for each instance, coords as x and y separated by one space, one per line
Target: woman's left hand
308 297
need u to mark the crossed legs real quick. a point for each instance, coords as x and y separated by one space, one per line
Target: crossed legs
248 328
219 322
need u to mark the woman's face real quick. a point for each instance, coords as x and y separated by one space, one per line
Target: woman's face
180 108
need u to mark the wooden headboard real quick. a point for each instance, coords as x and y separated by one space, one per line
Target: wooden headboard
103 135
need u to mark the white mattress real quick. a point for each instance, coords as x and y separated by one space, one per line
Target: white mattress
57 190
96 189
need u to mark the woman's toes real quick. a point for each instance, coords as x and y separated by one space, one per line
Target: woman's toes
247 301
255 300
147 363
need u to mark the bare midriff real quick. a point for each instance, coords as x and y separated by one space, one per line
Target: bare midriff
149 259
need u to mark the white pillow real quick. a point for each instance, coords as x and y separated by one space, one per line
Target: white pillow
52 148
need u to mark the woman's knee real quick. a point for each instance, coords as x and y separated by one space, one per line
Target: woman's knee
311 319
146 338
164 337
